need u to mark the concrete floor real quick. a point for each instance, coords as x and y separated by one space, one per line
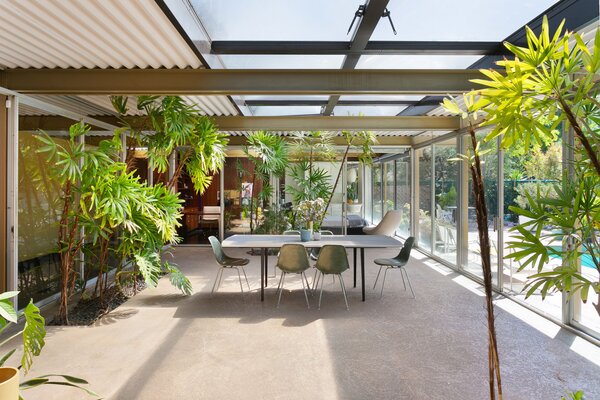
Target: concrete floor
162 345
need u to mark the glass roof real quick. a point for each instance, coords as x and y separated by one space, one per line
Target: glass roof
375 111
458 20
415 62
376 97
285 97
265 111
276 19
282 61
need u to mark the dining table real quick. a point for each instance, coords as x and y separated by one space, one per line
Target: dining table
354 242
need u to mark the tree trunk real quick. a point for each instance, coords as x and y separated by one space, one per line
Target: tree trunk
484 243
337 179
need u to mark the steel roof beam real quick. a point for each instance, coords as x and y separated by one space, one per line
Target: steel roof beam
346 48
285 123
228 82
366 26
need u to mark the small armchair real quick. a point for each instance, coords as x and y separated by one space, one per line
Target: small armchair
387 226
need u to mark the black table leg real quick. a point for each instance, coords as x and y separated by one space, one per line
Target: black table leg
262 276
354 251
362 271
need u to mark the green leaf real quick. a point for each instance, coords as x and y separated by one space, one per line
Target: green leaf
6 357
7 311
33 335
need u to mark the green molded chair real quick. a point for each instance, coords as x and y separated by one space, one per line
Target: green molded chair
227 262
332 260
314 255
397 262
292 259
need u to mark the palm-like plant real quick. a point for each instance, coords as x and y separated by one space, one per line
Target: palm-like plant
269 155
553 80
173 127
311 182
100 196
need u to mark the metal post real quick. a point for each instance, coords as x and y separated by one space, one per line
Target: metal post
500 217
222 204
571 307
12 184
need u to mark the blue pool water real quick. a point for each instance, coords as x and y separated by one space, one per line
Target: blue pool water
586 259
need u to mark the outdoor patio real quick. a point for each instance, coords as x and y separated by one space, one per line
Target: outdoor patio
161 344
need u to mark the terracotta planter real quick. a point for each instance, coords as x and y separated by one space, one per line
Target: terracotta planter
9 383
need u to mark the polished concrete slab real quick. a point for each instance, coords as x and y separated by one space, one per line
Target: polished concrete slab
162 345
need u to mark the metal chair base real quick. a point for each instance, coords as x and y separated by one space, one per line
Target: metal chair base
403 272
322 279
304 287
219 277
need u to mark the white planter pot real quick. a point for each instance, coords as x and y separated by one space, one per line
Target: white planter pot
317 235
9 383
524 220
354 208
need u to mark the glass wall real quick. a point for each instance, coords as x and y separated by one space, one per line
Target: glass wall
403 191
524 172
445 198
39 211
424 192
377 195
489 166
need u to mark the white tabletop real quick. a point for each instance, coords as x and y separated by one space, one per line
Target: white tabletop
276 241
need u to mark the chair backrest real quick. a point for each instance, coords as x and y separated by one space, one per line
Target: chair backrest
291 232
293 258
211 210
217 249
404 254
389 223
327 233
333 259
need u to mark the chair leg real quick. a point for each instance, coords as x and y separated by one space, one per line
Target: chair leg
376 279
217 279
246 277
281 290
316 280
403 280
240 278
344 291
383 282
409 284
307 284
302 277
321 295
279 286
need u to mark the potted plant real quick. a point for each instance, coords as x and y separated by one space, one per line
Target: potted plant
33 334
309 212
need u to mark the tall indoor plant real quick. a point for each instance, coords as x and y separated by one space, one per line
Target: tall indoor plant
553 81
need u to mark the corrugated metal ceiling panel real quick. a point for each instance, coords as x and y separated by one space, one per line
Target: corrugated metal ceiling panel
90 34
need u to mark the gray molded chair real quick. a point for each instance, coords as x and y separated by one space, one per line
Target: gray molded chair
333 260
292 259
291 233
397 262
227 262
